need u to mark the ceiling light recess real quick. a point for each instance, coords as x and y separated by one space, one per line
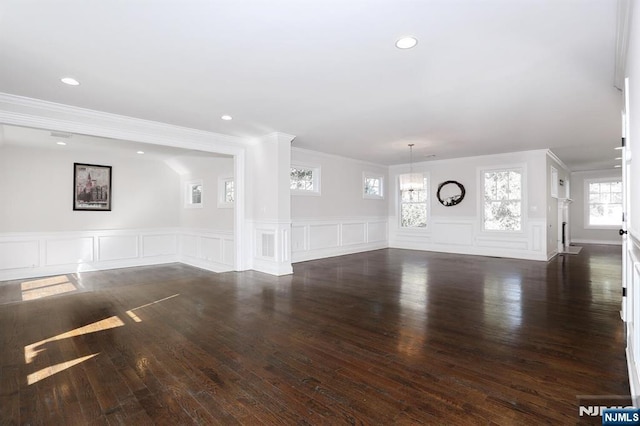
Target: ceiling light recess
61 143
406 42
226 117
70 81
140 152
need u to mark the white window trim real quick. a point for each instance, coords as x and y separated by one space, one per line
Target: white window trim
317 180
371 175
222 204
187 194
427 227
586 203
522 168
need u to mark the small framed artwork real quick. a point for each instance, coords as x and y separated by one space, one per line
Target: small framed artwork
91 187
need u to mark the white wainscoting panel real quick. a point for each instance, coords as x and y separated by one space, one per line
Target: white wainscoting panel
159 245
377 232
298 238
212 249
69 251
319 238
452 232
353 233
19 254
117 247
189 245
463 235
28 255
323 236
208 249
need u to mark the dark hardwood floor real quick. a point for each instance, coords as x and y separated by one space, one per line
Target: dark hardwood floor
384 337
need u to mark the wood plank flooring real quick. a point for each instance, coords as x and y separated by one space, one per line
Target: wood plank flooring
384 337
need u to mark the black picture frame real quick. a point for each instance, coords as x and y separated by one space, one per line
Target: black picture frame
91 187
453 200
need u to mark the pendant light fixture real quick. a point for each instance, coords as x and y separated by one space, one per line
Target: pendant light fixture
411 181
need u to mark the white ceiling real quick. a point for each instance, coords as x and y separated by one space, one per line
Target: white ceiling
486 76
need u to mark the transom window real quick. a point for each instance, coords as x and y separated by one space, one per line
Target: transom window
604 203
193 194
226 192
305 180
373 186
502 209
229 194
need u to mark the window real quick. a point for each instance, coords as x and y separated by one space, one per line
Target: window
502 200
604 206
193 194
305 180
413 207
226 192
372 186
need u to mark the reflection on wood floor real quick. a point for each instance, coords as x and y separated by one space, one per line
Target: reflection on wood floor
384 337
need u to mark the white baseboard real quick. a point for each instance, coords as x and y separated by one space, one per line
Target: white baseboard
205 264
272 267
605 242
47 271
472 250
336 251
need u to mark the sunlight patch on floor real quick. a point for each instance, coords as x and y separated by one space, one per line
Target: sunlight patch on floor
54 369
136 318
32 350
46 287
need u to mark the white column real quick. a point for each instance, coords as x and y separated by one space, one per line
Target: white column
268 204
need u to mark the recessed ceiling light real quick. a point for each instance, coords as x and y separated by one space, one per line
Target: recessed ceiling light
140 152
61 143
617 166
70 81
618 158
226 117
618 147
406 42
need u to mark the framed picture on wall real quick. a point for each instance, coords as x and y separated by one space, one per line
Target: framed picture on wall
91 187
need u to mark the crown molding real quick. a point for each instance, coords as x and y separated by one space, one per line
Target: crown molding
37 113
336 156
555 158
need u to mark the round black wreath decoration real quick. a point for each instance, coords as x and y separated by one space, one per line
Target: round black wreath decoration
453 199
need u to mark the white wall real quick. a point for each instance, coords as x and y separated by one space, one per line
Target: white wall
36 189
209 170
340 220
41 234
458 229
579 234
341 188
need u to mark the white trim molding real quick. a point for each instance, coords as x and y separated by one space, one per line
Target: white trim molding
271 246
